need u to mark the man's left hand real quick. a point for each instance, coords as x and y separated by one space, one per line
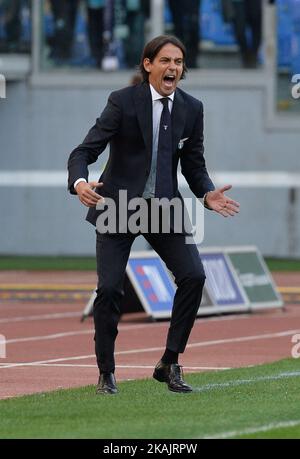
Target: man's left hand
216 200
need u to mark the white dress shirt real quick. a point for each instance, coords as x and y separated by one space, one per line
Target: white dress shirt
157 108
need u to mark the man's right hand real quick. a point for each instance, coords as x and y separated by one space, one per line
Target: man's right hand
87 195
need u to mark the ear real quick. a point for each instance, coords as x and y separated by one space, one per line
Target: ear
147 64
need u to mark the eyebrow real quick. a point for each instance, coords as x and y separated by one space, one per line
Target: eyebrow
170 58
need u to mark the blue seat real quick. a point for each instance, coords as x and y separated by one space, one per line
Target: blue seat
295 53
295 36
26 24
81 49
207 12
2 33
295 10
284 33
48 25
213 28
223 33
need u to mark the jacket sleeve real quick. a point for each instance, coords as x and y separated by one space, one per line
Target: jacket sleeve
95 142
192 160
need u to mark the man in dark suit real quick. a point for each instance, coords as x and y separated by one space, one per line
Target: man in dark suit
150 127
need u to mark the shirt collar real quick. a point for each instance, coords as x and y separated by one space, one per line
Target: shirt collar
156 96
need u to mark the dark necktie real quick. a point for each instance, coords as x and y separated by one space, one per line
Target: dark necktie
164 181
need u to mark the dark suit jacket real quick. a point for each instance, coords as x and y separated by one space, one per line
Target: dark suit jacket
126 122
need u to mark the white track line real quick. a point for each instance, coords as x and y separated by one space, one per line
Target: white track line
246 338
72 365
154 349
62 359
70 333
219 341
155 324
61 315
253 430
240 382
141 326
47 337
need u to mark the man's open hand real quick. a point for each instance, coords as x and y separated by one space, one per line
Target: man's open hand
220 203
87 195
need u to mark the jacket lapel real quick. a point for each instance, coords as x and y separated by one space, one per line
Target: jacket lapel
178 118
143 106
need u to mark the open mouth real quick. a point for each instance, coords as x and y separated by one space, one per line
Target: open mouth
169 80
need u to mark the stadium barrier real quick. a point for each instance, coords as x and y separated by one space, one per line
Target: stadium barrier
237 280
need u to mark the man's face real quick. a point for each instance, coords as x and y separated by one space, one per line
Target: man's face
166 69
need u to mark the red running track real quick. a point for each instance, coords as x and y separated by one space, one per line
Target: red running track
49 348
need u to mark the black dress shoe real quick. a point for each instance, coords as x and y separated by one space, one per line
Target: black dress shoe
106 384
172 375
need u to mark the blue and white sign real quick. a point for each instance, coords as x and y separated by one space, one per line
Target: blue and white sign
152 283
237 279
221 282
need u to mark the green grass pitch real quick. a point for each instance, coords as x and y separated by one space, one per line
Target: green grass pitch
253 402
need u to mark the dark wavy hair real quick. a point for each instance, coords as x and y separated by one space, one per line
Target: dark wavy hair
154 46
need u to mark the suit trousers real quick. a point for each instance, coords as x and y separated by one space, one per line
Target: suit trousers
183 260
